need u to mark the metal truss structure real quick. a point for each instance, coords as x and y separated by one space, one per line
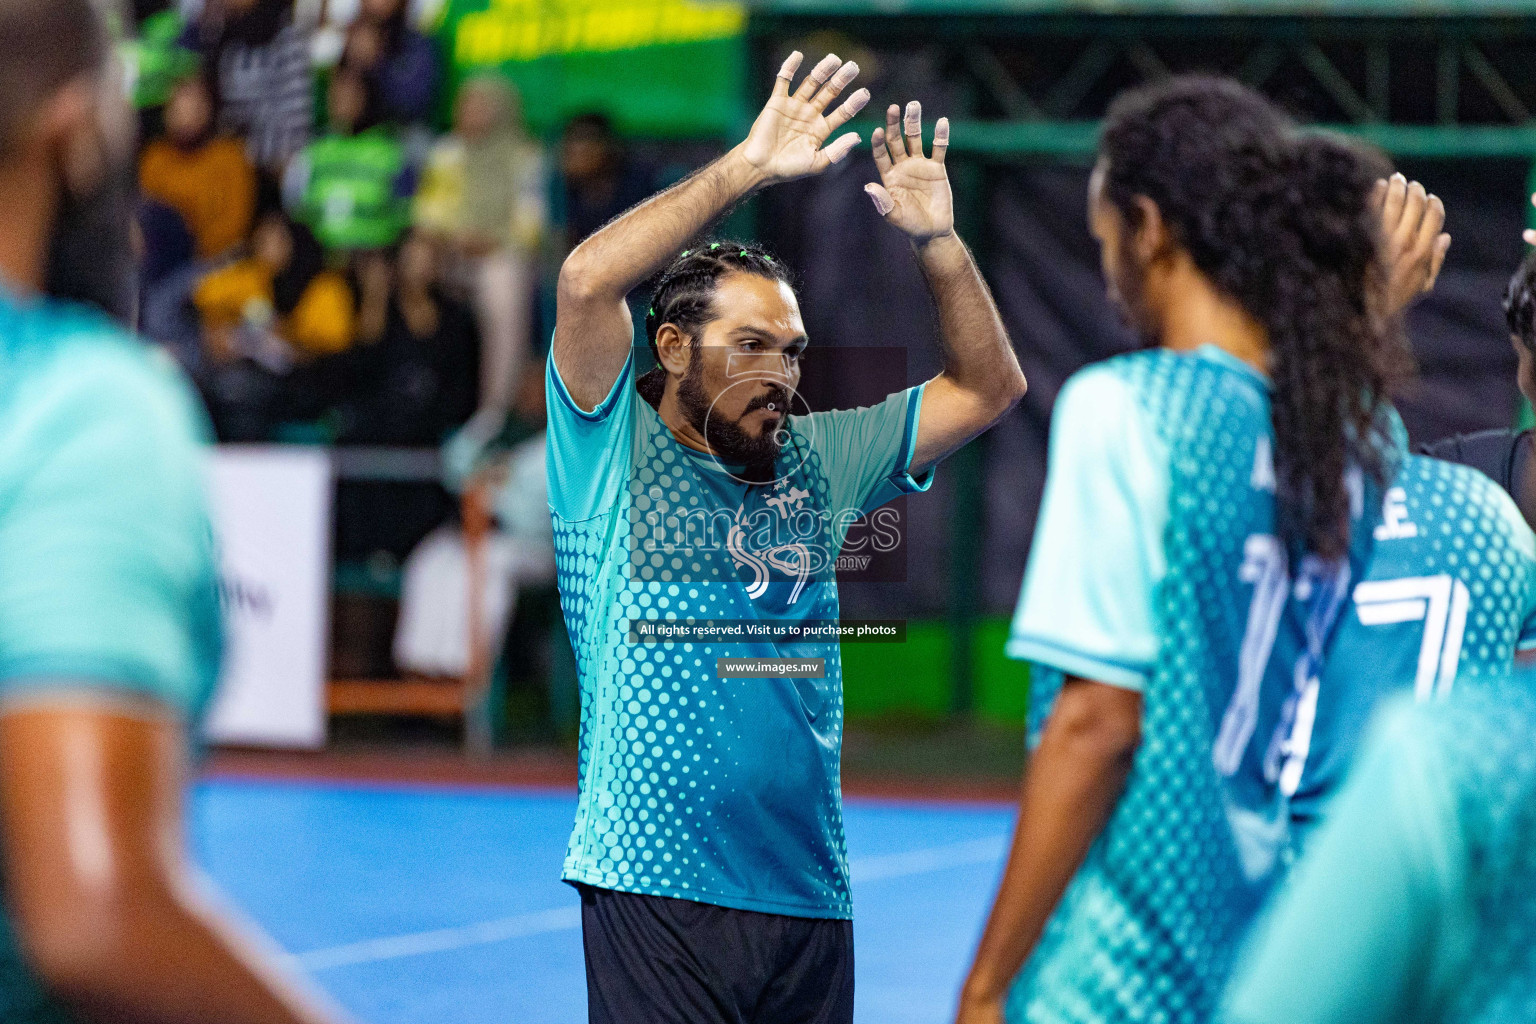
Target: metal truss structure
1433 87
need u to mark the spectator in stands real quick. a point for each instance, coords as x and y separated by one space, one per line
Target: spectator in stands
258 66
600 179
412 374
280 305
155 60
352 186
402 61
164 244
484 192
207 179
432 634
168 271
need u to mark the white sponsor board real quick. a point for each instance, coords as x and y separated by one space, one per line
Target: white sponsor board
272 515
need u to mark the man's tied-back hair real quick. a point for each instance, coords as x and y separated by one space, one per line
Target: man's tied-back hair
1283 224
1520 302
685 292
43 44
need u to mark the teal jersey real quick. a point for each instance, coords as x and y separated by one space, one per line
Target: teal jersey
1439 590
107 574
722 791
1136 579
1414 903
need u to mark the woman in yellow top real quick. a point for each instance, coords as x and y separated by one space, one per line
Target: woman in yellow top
279 306
208 180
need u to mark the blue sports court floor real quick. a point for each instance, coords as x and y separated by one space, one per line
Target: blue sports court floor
417 904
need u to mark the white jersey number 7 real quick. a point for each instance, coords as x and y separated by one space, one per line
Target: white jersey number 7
1440 602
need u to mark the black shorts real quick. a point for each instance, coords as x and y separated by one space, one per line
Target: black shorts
655 960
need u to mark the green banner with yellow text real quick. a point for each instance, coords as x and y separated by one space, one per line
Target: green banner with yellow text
661 68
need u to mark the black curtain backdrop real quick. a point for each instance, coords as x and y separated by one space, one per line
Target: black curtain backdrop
860 287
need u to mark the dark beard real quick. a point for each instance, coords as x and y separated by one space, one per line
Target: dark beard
727 440
90 252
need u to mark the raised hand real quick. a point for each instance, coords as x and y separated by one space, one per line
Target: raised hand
913 193
788 138
1528 234
1415 245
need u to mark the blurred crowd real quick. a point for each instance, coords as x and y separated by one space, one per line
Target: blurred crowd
342 241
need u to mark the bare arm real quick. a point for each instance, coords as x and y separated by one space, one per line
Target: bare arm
1073 780
592 324
106 909
981 379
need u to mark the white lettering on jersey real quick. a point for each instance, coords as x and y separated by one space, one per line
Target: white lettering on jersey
1263 476
1394 517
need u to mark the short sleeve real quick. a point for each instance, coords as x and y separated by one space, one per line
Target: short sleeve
866 452
588 453
1375 899
1086 604
107 573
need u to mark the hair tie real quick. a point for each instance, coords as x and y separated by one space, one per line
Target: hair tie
715 245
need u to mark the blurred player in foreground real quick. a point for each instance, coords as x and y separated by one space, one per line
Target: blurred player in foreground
1415 904
708 844
1211 504
109 621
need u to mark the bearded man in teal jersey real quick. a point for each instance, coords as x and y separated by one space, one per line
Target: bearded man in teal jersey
708 845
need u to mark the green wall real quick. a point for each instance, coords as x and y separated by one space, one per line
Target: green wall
912 678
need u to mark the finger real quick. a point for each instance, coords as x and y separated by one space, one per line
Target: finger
1414 203
1442 246
893 140
1529 235
1429 227
912 128
787 73
940 138
818 76
835 85
1392 206
1379 195
851 106
884 204
882 154
836 150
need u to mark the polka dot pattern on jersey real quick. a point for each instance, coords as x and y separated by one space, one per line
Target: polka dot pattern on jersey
693 786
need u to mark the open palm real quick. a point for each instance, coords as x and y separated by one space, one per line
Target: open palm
787 139
913 193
